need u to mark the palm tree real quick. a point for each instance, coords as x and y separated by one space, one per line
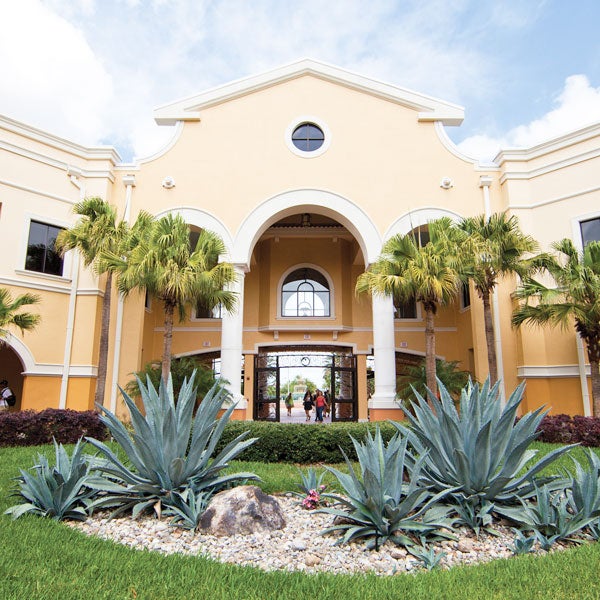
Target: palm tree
576 298
430 274
97 231
162 263
414 376
9 315
500 248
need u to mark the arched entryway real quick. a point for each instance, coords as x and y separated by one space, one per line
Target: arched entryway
11 369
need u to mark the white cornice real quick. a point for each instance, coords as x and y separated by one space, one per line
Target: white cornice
552 371
552 145
556 199
31 190
45 287
428 108
38 135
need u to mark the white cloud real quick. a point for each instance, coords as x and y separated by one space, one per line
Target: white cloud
50 75
578 105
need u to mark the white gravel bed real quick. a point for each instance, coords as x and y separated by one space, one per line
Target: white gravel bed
296 547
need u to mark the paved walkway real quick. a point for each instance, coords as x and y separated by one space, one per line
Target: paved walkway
298 415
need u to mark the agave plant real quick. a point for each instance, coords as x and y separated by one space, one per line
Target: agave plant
584 488
187 508
379 504
550 516
477 452
170 449
61 491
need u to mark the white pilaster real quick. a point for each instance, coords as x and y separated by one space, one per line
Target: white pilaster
232 328
384 353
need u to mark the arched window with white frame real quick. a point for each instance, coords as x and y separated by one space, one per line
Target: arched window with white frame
305 293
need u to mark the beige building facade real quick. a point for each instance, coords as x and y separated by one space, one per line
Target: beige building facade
304 172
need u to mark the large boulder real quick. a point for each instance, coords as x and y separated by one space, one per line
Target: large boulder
242 510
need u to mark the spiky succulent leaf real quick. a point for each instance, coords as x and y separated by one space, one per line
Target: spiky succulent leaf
479 450
60 491
170 449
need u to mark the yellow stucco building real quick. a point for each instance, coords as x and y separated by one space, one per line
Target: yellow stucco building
304 172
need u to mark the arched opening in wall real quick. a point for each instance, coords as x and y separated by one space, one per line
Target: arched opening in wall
288 380
300 309
11 369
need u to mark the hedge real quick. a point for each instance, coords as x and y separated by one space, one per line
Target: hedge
30 428
301 443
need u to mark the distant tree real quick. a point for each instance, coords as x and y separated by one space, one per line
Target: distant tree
181 369
414 376
11 315
574 301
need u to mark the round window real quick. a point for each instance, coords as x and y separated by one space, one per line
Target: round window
308 137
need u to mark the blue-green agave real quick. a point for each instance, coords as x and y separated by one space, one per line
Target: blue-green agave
379 504
60 491
170 449
479 452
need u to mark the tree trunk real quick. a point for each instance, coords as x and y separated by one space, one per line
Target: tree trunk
430 350
593 348
490 337
167 341
103 351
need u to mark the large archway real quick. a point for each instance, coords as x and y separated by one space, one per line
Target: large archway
11 369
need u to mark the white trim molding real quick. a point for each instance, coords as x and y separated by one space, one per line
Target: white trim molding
416 218
551 371
307 119
292 202
428 108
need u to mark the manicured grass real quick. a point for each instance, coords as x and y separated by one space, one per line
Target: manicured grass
43 559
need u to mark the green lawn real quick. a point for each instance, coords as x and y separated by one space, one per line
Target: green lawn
42 559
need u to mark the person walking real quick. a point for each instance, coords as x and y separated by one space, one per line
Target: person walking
308 404
320 404
289 404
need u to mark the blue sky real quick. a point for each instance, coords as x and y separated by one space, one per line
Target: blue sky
94 70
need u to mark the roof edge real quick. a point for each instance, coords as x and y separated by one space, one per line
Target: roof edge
428 107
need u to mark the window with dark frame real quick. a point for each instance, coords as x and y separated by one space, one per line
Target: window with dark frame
465 296
305 293
590 231
42 256
308 137
405 309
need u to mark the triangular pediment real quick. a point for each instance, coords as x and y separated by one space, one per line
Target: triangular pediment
427 107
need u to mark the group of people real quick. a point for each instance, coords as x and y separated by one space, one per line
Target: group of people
319 401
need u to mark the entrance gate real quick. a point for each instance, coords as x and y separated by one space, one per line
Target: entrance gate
339 365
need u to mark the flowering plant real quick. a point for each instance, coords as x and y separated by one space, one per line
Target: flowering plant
313 498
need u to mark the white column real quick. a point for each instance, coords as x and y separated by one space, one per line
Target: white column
384 353
484 183
129 181
232 329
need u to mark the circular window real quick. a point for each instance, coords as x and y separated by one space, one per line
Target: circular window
308 137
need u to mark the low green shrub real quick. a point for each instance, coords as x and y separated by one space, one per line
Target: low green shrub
300 443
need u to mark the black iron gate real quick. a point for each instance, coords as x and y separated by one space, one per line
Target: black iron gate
340 366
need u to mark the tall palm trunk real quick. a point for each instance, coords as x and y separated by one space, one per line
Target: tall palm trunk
103 351
490 338
167 341
430 348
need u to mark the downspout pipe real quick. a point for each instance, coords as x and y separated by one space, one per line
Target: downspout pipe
75 177
129 181
485 181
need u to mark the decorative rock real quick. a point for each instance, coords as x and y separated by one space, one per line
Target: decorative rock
242 510
310 560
